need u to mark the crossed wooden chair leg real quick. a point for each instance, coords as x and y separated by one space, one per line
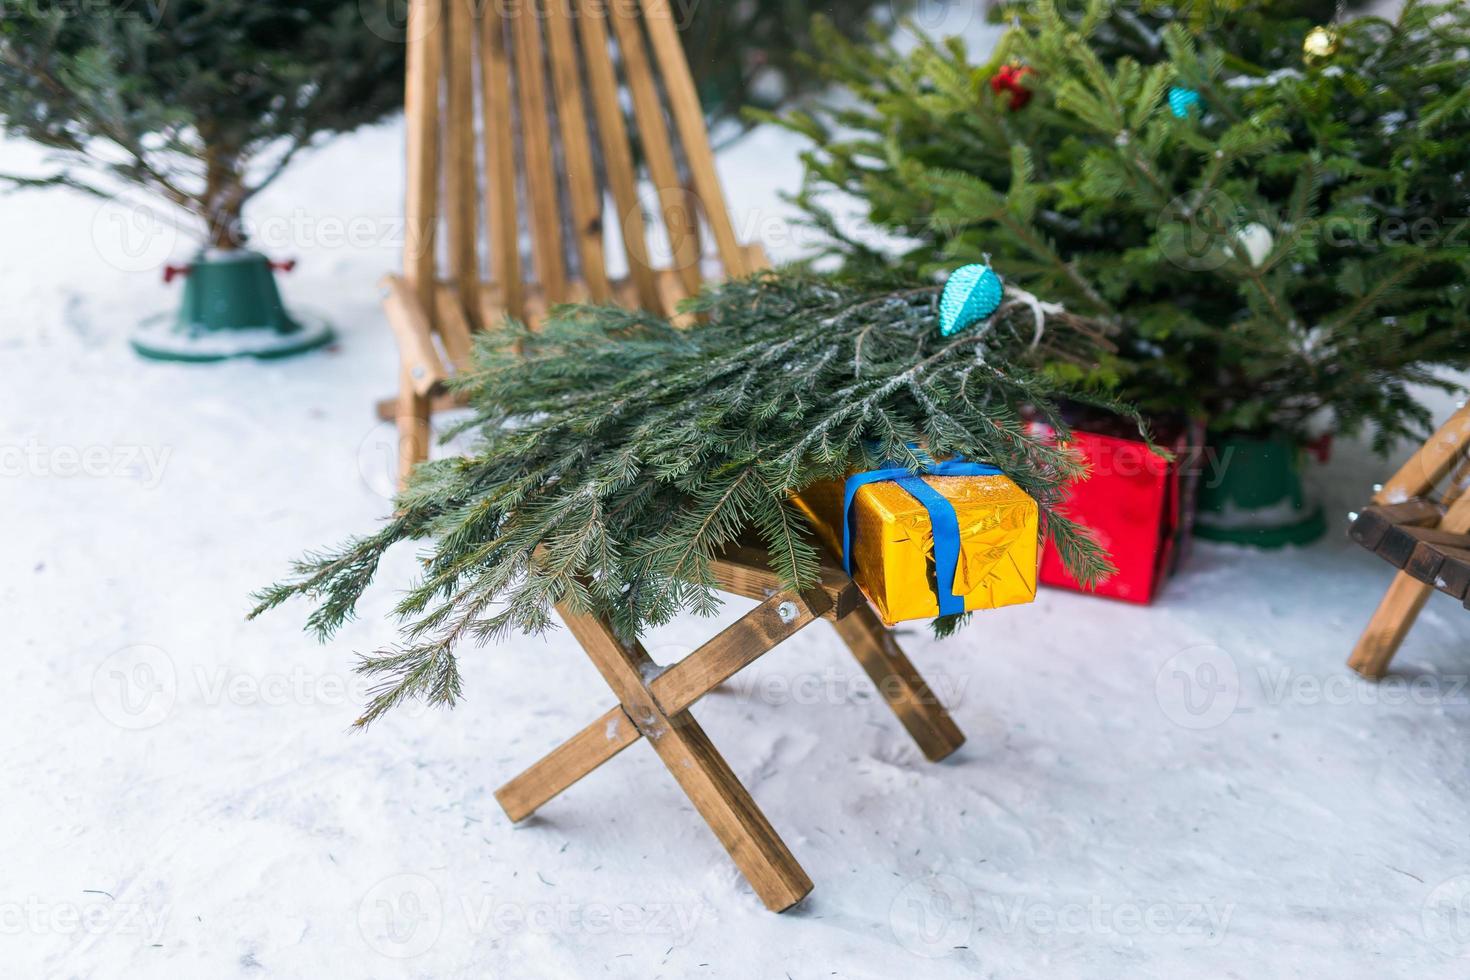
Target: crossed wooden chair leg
655 705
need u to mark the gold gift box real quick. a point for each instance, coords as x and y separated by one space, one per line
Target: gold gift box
893 542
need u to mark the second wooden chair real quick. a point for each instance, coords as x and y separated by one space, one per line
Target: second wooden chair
1427 538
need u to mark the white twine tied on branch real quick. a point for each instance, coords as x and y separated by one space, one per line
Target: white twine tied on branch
1040 310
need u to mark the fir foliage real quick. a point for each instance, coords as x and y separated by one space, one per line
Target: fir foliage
1096 194
617 455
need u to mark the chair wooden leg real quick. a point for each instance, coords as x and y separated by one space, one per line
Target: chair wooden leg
676 689
900 683
413 427
705 777
567 763
657 709
1390 624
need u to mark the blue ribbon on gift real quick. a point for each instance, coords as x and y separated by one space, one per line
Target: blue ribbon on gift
942 518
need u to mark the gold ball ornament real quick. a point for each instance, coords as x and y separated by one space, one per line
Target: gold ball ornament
1320 44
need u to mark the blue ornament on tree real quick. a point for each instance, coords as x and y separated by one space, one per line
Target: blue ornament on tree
971 293
1181 100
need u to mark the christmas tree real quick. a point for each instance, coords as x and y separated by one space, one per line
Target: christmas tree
1272 212
200 104
618 455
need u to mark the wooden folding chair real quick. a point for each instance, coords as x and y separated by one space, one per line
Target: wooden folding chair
539 153
1427 538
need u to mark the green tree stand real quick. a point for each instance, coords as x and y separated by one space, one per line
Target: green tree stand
1257 498
231 308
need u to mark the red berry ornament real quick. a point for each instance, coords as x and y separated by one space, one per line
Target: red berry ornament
1008 79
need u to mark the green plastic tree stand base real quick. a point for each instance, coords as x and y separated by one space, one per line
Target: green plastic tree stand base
1255 496
231 308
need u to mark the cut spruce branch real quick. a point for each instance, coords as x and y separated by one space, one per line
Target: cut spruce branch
617 455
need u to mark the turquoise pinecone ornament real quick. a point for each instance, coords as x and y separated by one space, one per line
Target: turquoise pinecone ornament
1181 100
971 293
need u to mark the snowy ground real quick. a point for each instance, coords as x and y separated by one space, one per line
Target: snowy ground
1199 788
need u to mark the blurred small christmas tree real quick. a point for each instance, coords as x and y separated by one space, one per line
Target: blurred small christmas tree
1273 211
202 104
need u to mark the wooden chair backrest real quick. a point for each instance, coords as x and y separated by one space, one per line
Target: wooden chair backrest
553 158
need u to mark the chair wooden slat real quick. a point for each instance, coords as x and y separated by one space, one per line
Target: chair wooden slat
462 229
689 118
1453 577
421 109
1444 566
658 150
756 258
586 200
533 305
617 155
673 291
500 167
453 318
1401 540
540 165
1375 521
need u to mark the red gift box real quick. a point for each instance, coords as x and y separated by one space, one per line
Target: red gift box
1134 503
